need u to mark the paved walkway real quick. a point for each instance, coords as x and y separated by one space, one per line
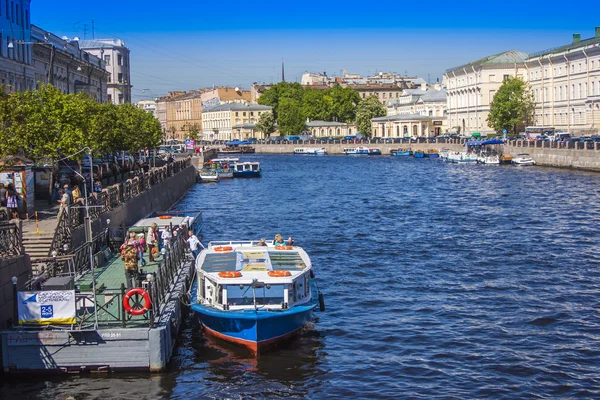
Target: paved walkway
47 216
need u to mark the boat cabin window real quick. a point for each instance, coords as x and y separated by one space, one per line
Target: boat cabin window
254 167
218 262
286 260
243 295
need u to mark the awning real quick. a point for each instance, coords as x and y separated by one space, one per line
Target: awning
484 142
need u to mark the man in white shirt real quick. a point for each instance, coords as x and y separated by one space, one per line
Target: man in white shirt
194 243
166 237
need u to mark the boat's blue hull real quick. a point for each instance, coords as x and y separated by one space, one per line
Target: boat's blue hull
246 174
433 155
256 330
401 153
419 155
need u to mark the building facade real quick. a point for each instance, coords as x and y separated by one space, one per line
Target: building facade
407 125
319 129
431 102
232 121
61 63
471 89
116 57
565 82
16 59
149 106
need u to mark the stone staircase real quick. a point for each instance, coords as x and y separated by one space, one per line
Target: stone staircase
37 245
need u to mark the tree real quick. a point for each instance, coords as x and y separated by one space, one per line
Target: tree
272 96
266 124
343 102
316 105
367 109
513 106
290 121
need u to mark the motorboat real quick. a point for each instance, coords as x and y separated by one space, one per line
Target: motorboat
362 151
418 154
401 152
208 175
506 159
253 296
461 157
523 159
314 151
488 159
432 153
375 152
247 169
224 166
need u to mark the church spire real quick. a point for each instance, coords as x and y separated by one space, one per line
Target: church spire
282 71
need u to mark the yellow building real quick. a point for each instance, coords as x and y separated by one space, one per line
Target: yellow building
232 121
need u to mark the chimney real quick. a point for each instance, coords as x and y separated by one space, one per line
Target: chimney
598 31
576 37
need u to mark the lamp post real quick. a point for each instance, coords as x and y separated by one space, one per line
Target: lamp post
15 302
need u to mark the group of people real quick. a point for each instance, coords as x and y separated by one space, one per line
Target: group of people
9 198
278 241
68 196
134 247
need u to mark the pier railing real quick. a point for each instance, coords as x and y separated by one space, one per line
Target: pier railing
11 242
110 198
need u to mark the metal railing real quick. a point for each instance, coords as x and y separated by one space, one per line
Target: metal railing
11 241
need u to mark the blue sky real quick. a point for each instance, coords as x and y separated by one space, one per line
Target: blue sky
182 45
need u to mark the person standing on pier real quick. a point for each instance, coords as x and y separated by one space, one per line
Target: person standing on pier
166 237
151 240
194 243
141 248
130 256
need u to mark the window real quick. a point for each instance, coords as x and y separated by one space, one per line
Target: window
573 91
244 113
592 66
120 99
252 113
506 77
107 59
237 114
560 93
592 88
120 60
579 91
383 95
120 77
579 67
492 78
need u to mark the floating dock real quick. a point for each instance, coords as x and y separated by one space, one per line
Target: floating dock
106 337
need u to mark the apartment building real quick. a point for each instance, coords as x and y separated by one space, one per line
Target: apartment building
232 121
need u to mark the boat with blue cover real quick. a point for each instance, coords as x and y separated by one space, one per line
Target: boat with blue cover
247 169
419 154
254 296
401 152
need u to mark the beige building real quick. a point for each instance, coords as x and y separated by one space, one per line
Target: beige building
161 113
407 125
232 121
471 89
430 102
319 129
565 82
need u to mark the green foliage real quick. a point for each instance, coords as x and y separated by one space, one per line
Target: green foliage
266 124
513 106
46 123
290 121
367 109
333 104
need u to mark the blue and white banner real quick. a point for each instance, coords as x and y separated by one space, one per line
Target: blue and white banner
47 307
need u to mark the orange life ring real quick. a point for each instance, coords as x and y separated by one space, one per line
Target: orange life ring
223 248
283 247
137 311
165 217
279 273
230 274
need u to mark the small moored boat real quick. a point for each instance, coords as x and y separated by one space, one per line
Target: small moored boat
253 296
432 153
248 169
523 159
314 151
208 175
418 154
400 152
224 166
506 159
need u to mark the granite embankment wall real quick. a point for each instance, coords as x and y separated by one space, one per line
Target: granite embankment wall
158 198
338 148
585 159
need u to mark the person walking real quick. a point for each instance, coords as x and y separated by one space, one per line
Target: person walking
194 243
2 195
130 256
12 203
141 248
151 239
166 238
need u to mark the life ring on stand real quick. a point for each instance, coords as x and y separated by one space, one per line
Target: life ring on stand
137 311
223 248
165 217
230 274
279 273
283 247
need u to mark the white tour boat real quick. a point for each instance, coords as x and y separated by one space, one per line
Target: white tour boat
523 159
313 151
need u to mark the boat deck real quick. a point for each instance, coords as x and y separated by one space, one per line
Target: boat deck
109 278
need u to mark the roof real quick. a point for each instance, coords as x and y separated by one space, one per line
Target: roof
324 123
403 117
434 96
507 58
568 47
238 107
101 43
244 126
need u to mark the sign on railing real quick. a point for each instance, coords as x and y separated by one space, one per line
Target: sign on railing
47 307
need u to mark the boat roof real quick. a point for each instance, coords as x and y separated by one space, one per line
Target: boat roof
231 159
252 260
163 218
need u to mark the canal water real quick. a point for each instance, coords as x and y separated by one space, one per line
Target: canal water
440 280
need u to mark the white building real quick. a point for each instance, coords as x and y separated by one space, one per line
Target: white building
319 129
565 82
149 106
116 56
430 102
471 89
16 62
